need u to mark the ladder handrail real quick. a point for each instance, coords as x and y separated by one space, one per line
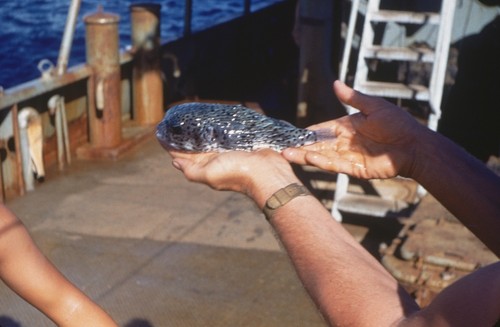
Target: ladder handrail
437 80
434 90
348 40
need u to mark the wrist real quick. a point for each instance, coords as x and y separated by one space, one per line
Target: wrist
281 198
417 155
427 155
261 189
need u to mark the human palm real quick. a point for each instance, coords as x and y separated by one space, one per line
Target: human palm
377 142
234 170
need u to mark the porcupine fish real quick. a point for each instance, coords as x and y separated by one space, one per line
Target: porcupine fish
211 127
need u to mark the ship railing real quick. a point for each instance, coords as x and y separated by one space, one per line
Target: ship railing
75 88
15 172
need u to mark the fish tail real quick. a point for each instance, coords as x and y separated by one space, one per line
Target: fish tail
324 134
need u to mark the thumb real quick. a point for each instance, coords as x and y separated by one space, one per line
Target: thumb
364 103
180 163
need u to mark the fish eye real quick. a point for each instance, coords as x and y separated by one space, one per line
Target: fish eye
176 129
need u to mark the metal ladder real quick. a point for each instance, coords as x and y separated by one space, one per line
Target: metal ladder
437 56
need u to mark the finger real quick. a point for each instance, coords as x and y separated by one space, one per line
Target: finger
364 103
191 156
193 170
323 125
180 163
321 161
178 154
295 155
335 163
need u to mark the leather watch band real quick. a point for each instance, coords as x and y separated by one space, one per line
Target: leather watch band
282 197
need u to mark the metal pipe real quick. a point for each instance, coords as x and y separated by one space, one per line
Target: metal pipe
53 105
69 31
103 56
65 132
147 76
17 145
31 143
58 110
175 63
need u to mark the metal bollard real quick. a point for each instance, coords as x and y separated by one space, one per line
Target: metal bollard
104 86
147 81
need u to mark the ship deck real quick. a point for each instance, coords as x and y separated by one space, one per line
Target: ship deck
156 250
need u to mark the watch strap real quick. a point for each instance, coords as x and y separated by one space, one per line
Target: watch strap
282 197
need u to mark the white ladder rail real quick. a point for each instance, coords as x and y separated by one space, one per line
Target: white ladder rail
366 41
343 179
353 16
441 61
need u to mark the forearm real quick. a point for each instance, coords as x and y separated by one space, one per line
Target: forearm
464 185
69 307
37 281
340 275
80 311
33 277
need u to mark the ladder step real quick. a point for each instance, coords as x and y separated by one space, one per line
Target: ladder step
370 205
407 17
400 53
395 90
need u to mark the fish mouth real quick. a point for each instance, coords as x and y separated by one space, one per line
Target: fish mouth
165 142
160 136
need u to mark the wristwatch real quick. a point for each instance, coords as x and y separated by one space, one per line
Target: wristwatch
282 197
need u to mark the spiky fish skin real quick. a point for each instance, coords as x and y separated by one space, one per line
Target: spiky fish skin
213 127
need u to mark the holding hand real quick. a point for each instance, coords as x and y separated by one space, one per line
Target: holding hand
257 174
377 142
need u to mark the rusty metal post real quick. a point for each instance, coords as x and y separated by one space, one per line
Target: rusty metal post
104 85
147 81
17 144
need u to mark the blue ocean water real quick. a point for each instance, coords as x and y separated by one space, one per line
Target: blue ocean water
31 30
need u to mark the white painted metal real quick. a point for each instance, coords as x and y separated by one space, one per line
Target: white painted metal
69 31
31 140
348 39
439 67
57 109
